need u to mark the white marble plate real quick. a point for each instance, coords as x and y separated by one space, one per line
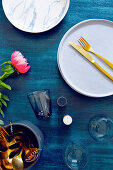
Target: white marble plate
77 71
35 15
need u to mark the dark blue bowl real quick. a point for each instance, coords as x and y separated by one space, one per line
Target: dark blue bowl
33 132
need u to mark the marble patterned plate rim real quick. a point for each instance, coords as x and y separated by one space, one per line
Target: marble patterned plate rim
58 62
35 32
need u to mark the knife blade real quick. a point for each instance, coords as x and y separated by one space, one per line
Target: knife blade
82 51
86 55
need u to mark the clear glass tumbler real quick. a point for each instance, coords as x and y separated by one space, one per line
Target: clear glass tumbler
101 128
41 103
75 156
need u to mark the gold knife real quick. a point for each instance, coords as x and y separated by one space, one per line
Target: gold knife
86 55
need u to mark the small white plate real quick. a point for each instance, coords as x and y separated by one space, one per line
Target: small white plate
78 72
35 15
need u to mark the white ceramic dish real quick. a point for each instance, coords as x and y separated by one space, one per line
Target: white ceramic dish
78 72
35 15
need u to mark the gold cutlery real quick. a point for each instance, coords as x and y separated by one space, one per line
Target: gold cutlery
88 47
7 163
12 146
11 128
6 154
86 55
31 158
4 144
1 161
17 161
3 134
30 153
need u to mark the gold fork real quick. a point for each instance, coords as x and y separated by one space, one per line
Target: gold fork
88 47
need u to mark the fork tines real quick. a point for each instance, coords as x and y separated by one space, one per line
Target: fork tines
82 42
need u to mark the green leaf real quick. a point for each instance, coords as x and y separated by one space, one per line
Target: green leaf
2 113
8 69
5 97
5 85
11 72
4 102
0 95
1 87
1 122
5 75
0 104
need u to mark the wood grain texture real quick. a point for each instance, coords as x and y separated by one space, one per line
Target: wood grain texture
41 52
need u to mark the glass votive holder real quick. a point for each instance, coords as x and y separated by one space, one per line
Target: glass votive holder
67 120
62 101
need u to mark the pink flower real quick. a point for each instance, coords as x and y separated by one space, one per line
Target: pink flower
19 62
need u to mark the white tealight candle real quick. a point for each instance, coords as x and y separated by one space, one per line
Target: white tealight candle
67 120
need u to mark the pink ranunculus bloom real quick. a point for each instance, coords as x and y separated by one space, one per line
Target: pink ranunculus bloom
19 62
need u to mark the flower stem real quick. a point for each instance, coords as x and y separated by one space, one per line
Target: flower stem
3 64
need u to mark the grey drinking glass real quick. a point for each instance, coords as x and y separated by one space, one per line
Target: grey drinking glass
75 156
41 103
101 128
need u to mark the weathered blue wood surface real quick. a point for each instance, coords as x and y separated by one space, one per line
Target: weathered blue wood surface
41 52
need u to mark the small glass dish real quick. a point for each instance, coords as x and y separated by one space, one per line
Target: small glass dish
62 101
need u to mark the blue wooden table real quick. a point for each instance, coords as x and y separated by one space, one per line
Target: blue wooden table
41 52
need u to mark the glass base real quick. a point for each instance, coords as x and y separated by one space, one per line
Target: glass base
75 157
101 128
